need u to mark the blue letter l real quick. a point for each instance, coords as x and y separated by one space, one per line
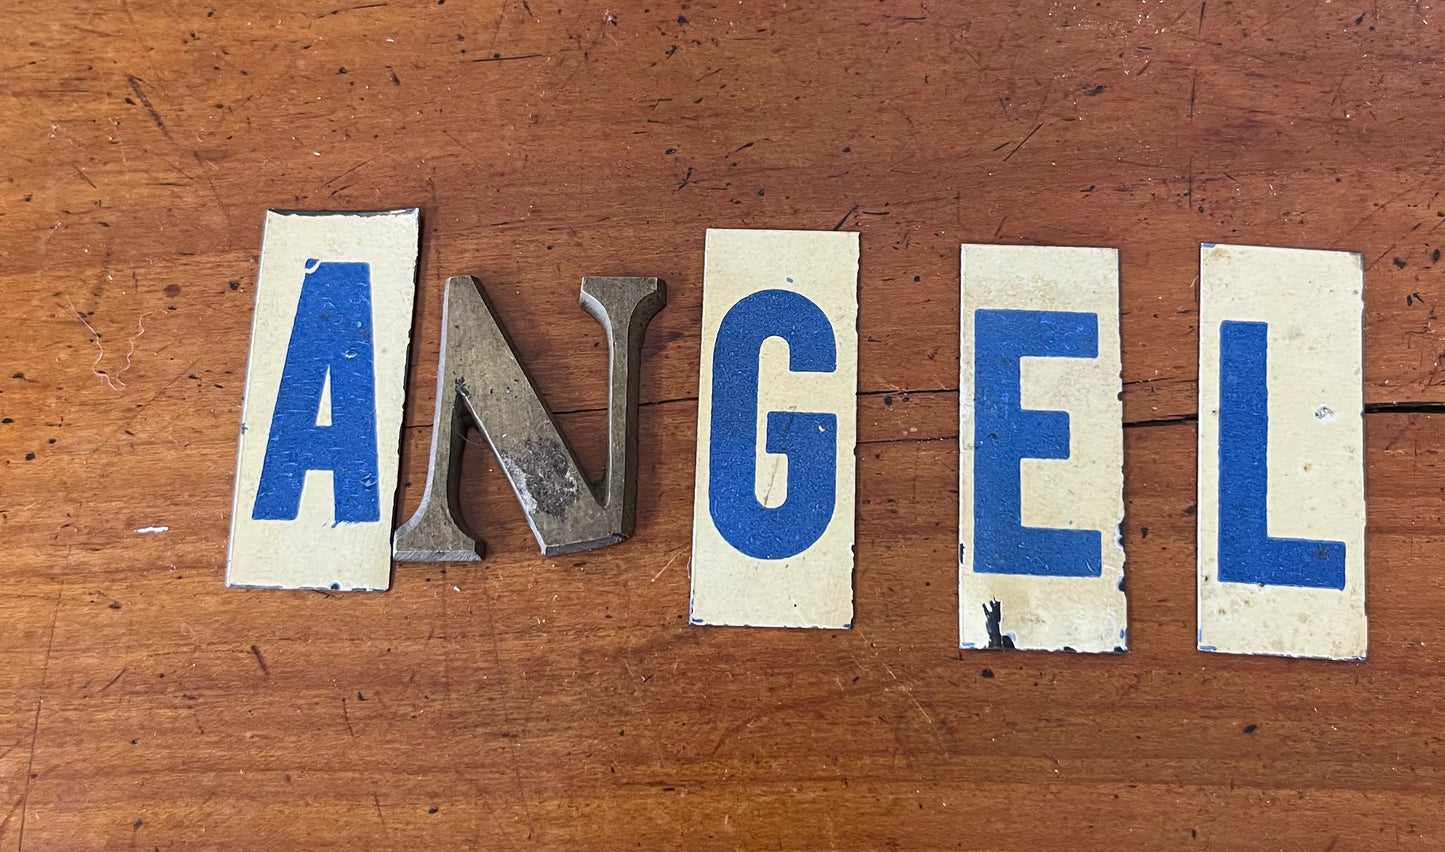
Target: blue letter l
1247 553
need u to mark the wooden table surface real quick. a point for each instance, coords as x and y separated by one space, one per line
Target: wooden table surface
527 702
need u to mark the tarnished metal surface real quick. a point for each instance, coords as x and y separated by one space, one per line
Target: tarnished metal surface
481 377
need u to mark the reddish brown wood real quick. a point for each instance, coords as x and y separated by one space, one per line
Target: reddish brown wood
527 702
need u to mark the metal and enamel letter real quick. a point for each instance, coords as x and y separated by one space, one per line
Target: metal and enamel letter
777 412
480 378
316 475
1281 452
1041 471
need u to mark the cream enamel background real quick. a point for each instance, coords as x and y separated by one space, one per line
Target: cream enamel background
814 588
1084 491
313 552
1313 303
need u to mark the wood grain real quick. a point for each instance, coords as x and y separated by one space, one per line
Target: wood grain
535 703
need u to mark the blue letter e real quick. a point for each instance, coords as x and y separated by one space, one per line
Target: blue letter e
809 440
331 337
1005 433
1247 552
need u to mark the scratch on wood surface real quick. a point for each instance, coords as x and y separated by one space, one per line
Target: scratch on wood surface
113 382
1021 142
1382 256
260 660
35 727
346 9
729 732
113 680
145 102
668 565
376 800
497 57
355 167
347 716
908 691
5 823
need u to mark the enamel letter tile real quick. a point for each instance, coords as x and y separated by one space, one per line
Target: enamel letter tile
1041 471
1281 453
321 424
777 420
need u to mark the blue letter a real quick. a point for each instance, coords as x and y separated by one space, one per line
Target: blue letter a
809 440
1247 552
331 337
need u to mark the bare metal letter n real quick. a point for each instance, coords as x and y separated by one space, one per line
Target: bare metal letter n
481 376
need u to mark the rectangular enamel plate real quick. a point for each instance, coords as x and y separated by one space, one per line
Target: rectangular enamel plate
777 422
1041 473
321 423
1281 453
